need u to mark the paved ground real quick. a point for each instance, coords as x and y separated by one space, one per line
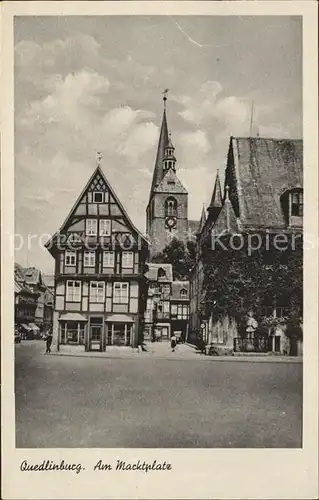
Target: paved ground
144 401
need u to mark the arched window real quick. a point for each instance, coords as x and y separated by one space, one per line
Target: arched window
183 292
170 206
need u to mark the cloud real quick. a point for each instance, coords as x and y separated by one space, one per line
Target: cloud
207 107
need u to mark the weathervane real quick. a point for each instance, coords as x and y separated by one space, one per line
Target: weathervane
165 92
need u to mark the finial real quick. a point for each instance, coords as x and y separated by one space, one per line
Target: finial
98 158
165 92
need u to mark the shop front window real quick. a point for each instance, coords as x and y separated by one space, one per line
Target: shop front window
72 332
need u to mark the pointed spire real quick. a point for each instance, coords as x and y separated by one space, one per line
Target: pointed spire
162 143
216 201
202 219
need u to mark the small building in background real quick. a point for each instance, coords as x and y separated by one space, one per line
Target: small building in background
167 310
25 304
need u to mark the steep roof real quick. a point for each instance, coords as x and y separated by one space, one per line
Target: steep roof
264 169
216 201
162 143
202 221
97 171
170 184
226 220
32 276
177 286
153 271
48 280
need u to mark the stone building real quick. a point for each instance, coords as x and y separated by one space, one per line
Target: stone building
100 286
263 194
167 209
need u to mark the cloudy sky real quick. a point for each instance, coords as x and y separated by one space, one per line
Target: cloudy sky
88 84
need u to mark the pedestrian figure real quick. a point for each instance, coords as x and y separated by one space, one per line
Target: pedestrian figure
173 342
49 342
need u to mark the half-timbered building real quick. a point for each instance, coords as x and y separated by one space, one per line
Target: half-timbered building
100 287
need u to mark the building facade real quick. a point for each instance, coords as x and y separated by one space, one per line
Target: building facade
262 195
167 311
100 284
35 299
25 304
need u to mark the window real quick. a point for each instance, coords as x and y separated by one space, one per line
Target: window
97 197
161 273
166 306
120 293
105 227
70 258
89 259
282 311
174 309
127 260
91 227
165 291
108 259
170 206
183 292
97 291
72 332
297 204
73 291
292 206
182 311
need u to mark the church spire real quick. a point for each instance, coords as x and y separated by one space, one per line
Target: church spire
216 201
202 220
162 143
169 156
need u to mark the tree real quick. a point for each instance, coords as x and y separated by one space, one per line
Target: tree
180 255
239 280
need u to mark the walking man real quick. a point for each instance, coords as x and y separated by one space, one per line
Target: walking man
49 342
173 342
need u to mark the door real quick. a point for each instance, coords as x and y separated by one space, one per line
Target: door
96 334
293 351
164 333
119 334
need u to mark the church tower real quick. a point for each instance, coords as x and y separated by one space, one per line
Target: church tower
166 213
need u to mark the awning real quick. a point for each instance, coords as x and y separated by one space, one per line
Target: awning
120 318
72 317
25 327
33 326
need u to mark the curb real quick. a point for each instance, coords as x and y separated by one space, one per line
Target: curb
207 359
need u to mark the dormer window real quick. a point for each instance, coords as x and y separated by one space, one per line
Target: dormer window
297 203
97 197
161 273
292 206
